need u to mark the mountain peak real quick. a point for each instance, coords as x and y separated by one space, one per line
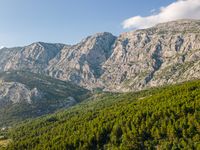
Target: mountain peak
99 36
163 54
103 34
44 44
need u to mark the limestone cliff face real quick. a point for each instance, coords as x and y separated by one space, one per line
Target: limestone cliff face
82 63
14 92
165 54
34 57
6 54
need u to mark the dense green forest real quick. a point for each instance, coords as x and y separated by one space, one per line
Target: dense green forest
159 118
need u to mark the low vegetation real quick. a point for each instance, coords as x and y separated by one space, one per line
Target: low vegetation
160 118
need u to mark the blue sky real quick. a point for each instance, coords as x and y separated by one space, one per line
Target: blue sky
66 21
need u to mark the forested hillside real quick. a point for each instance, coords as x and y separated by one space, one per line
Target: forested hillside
27 95
160 118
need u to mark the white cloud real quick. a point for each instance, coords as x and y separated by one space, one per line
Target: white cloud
1 47
181 9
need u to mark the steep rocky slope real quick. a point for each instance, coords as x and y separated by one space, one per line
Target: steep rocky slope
14 92
6 54
26 95
34 57
165 54
82 63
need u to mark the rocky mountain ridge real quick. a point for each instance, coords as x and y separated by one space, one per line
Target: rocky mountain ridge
165 54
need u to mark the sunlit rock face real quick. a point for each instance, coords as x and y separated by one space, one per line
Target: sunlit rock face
14 92
165 54
34 57
82 63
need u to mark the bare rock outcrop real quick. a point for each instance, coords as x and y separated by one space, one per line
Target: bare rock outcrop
165 54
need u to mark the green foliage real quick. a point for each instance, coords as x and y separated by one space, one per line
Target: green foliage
165 118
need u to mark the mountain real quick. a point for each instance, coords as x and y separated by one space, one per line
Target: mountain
159 118
26 95
34 57
95 76
165 54
82 63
